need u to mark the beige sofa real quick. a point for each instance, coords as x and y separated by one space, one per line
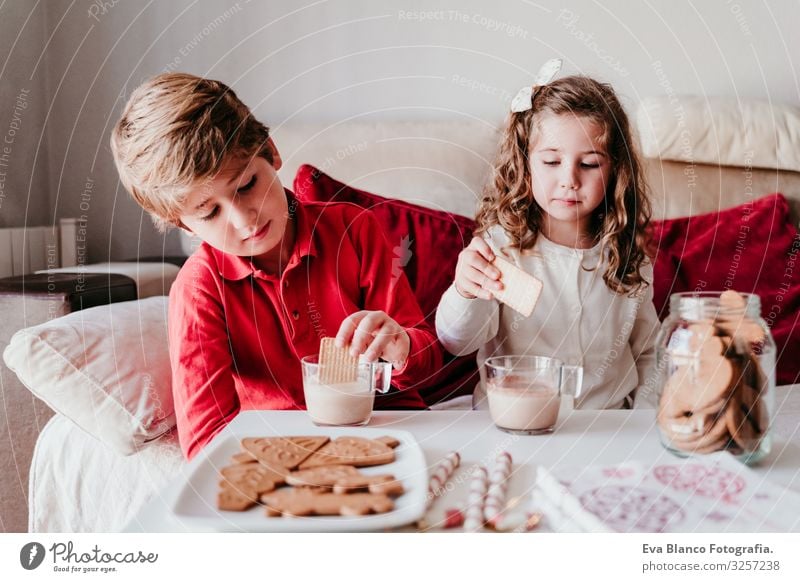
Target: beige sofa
442 165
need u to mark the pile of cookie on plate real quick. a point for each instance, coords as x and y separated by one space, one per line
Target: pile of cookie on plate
310 475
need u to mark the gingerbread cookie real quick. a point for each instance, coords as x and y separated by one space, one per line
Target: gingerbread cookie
383 484
325 476
243 457
345 479
233 499
390 442
295 502
287 452
356 451
242 484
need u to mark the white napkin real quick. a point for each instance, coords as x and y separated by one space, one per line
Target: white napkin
714 493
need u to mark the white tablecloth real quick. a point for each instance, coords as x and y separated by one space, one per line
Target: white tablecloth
581 438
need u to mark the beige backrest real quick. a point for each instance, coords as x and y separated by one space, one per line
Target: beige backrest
439 164
445 164
685 189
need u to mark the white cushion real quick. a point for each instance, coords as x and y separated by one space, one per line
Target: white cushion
720 131
438 164
106 368
152 279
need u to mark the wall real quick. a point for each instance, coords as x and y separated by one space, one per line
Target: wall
24 104
333 60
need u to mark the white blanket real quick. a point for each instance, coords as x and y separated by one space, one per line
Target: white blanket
78 484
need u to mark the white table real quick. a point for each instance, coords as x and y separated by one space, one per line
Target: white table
581 438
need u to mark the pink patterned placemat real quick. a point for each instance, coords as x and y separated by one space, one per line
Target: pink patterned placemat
714 493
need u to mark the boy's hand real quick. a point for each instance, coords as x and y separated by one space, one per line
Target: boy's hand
475 274
376 335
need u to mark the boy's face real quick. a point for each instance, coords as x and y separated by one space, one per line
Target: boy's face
243 211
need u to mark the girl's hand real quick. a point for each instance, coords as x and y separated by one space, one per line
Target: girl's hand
376 335
475 275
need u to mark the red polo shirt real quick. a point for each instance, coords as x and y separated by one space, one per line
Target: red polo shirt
236 334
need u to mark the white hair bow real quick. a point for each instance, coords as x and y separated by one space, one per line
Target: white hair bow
524 98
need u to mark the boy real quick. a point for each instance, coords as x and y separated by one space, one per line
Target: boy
273 275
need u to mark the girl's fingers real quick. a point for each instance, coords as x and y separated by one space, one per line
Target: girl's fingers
484 281
479 284
480 263
482 248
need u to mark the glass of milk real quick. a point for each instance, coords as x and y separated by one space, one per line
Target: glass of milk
347 404
524 392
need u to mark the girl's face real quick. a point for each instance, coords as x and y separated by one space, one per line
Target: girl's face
570 171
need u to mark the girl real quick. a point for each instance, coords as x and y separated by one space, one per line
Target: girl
567 204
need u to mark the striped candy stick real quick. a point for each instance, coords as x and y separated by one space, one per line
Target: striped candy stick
498 488
441 475
473 518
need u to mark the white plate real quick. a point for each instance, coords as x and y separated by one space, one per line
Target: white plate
196 502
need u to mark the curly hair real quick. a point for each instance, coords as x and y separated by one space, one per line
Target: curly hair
620 224
178 129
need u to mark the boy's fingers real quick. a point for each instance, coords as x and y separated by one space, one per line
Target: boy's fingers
364 332
348 328
381 341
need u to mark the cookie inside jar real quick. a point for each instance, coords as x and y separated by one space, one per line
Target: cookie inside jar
717 358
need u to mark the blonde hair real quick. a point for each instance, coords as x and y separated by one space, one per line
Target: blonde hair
620 224
178 129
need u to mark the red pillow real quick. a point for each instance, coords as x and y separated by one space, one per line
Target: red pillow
751 248
426 244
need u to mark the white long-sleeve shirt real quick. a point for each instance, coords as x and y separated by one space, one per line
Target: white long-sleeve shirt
577 319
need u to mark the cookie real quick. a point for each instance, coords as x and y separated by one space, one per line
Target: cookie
345 479
296 502
253 475
243 483
325 476
684 427
731 300
286 452
390 442
703 385
382 484
233 499
741 419
356 451
704 342
242 457
714 436
735 323
336 365
520 290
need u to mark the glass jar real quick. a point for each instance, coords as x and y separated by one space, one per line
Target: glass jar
716 358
